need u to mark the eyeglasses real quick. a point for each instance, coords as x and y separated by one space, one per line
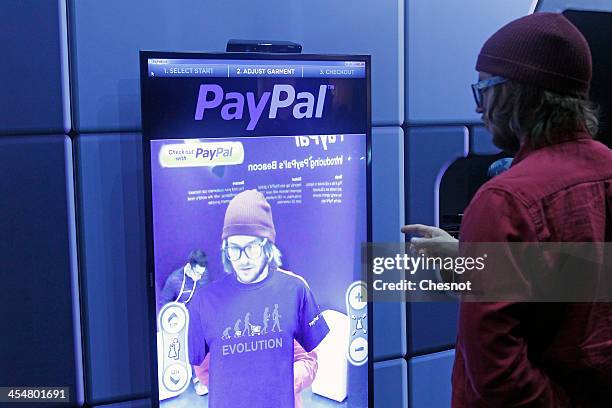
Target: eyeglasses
481 86
252 250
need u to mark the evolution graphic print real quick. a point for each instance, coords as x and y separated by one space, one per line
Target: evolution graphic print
244 328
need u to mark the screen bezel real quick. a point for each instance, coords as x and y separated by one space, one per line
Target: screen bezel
148 203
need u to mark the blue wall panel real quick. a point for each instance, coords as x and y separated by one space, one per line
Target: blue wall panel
387 218
106 37
111 228
559 6
481 142
389 336
33 74
391 384
429 378
430 150
40 340
431 327
444 38
387 184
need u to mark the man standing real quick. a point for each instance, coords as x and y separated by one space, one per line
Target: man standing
534 79
254 282
183 283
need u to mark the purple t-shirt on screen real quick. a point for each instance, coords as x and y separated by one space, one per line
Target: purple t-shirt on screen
249 330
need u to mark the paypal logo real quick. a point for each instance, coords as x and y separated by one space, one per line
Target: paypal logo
201 154
212 96
211 154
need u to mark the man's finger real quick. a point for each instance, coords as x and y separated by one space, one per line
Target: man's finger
424 242
420 229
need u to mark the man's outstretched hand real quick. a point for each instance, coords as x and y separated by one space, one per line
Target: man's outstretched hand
432 241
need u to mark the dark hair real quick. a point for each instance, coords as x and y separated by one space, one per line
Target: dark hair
198 257
542 117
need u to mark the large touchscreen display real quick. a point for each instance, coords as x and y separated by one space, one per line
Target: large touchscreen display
259 202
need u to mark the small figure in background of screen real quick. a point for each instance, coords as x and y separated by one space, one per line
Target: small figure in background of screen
180 286
254 284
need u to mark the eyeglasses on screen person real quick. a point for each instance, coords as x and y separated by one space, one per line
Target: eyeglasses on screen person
252 251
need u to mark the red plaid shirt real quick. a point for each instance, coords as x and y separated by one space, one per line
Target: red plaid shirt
539 354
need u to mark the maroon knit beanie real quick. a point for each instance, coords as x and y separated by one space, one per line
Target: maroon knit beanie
541 49
249 214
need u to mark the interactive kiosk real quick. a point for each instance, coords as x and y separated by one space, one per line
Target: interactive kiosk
291 132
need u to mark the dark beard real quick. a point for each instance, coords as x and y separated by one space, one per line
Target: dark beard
505 139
